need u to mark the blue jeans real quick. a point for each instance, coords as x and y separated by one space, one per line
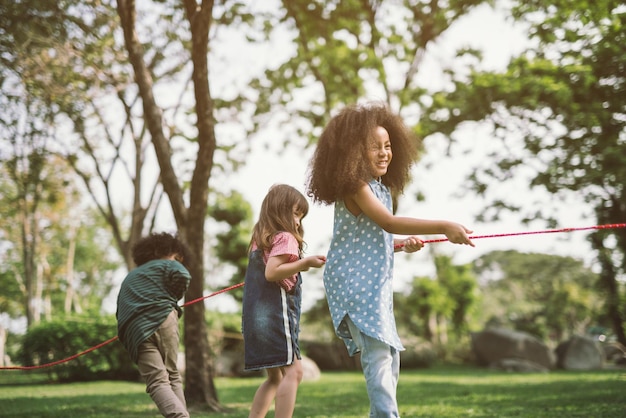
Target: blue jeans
381 367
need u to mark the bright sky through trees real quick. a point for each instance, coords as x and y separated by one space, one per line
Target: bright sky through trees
438 175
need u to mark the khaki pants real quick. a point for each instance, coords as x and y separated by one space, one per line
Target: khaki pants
157 367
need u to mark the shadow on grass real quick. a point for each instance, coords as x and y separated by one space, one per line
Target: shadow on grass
427 393
68 405
511 395
481 394
12 378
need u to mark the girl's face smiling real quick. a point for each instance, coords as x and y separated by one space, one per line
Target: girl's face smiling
379 152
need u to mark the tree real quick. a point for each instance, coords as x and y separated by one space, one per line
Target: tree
343 52
43 227
549 296
433 303
79 75
425 309
64 59
190 220
27 192
341 49
350 50
231 245
459 281
566 99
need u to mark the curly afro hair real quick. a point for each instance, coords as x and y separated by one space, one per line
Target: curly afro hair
159 245
340 162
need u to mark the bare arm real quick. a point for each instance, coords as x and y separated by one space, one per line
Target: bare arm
366 202
279 267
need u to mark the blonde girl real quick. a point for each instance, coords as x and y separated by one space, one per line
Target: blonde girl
272 299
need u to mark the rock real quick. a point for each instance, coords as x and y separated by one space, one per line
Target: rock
310 370
330 355
493 345
614 352
518 365
580 353
418 354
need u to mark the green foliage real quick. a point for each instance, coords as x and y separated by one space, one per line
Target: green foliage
62 338
565 97
319 325
232 244
46 225
224 322
426 299
42 75
347 51
11 296
460 284
550 296
432 303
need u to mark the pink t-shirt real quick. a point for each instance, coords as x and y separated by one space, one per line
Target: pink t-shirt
284 243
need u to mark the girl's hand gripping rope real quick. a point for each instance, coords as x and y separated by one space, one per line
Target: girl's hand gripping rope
410 244
458 234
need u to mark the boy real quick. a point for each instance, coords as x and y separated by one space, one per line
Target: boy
147 317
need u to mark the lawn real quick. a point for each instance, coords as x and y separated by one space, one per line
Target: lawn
437 392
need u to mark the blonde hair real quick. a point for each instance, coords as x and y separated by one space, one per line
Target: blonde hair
277 216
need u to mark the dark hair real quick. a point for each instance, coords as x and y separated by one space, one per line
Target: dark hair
159 245
277 216
340 162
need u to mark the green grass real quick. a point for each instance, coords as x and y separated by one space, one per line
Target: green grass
438 392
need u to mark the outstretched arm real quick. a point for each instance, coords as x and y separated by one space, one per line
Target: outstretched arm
366 202
279 267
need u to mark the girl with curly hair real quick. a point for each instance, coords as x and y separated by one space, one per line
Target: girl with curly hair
353 168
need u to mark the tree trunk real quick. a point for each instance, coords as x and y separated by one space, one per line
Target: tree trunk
608 282
199 388
70 294
443 331
3 340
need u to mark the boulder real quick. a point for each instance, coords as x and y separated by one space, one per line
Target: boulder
230 363
518 365
310 371
580 353
419 353
493 345
331 355
614 352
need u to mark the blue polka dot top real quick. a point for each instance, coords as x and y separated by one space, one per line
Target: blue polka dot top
358 274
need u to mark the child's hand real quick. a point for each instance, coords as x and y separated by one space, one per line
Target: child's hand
412 244
314 261
457 234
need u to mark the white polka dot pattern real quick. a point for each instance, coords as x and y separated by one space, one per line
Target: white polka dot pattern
358 274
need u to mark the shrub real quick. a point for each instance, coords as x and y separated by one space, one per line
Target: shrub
63 338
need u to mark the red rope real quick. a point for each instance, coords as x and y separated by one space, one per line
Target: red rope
511 234
227 289
110 340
